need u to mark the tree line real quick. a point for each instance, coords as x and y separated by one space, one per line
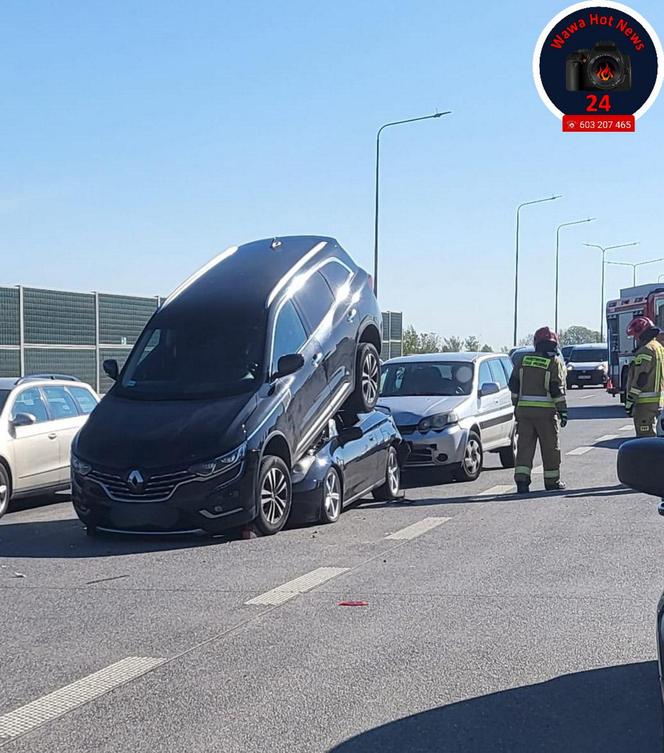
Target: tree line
431 342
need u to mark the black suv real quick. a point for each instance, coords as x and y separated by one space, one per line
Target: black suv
230 383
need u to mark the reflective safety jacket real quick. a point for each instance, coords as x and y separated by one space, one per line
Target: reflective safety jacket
645 383
540 382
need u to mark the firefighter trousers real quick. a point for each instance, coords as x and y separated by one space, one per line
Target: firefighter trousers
535 424
645 419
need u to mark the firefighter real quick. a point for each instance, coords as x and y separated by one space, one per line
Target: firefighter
538 393
645 381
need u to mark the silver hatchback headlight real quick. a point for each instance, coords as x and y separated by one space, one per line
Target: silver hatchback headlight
437 422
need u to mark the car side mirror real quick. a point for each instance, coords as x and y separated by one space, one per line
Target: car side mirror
489 388
288 365
24 419
351 434
641 465
110 367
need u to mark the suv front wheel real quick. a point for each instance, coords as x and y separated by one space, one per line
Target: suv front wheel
274 495
367 379
5 490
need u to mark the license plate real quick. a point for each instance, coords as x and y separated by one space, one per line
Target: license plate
585 376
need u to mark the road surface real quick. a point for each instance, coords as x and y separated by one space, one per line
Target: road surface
492 623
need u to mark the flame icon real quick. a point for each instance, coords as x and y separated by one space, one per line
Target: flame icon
605 72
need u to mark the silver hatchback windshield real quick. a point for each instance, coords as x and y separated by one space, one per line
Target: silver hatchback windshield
446 378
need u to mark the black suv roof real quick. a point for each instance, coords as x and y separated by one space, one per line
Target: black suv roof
246 275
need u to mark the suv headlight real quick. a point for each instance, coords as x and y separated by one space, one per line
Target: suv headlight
437 422
217 465
80 467
601 367
570 367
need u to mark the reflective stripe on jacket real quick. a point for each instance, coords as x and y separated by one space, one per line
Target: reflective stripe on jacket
645 384
540 382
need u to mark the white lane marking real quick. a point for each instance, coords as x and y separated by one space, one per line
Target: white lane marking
66 699
627 427
294 588
537 469
585 397
417 529
499 489
606 438
580 451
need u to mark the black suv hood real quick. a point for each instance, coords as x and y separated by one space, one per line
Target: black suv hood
123 433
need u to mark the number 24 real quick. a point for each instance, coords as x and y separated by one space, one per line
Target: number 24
604 103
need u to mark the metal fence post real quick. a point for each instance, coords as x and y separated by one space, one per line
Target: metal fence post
97 351
21 331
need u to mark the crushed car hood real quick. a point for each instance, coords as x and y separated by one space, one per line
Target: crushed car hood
410 409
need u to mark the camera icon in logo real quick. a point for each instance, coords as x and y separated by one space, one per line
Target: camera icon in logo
604 68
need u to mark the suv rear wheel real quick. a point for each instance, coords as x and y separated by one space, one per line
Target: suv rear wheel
5 490
367 379
274 495
508 454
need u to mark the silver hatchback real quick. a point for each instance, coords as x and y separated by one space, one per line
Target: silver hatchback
452 408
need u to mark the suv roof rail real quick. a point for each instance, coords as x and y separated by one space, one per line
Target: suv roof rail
32 377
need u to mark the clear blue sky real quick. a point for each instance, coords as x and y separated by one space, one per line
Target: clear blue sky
141 138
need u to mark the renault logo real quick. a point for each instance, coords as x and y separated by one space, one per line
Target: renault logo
135 480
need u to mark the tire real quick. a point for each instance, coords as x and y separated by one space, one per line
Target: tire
274 499
473 456
332 504
5 490
367 380
508 454
391 487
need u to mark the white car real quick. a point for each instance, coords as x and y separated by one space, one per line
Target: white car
451 408
39 416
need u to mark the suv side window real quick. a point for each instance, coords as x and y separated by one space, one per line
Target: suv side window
60 403
485 374
84 399
498 373
337 275
508 366
289 333
315 299
30 401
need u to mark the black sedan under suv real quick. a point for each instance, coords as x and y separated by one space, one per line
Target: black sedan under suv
231 382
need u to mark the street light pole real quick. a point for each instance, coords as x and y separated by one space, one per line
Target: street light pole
604 249
634 266
558 229
516 258
380 130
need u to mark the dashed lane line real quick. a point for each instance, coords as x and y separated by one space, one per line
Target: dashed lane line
606 438
627 427
580 451
417 529
78 693
293 588
499 489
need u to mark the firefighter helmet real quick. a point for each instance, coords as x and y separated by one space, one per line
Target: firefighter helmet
545 335
639 325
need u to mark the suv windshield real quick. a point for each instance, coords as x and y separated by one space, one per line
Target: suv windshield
419 379
589 355
4 394
193 357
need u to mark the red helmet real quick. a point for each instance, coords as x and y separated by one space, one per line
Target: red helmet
639 325
545 335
